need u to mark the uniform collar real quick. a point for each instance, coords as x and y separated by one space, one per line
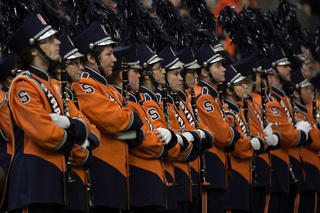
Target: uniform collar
232 106
278 91
301 107
144 90
211 89
95 75
39 73
183 96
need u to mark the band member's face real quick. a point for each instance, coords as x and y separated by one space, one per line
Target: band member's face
175 80
50 46
241 89
107 60
285 72
159 74
217 71
306 93
191 78
306 71
75 69
133 76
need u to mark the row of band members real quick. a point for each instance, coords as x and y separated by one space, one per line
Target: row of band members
143 136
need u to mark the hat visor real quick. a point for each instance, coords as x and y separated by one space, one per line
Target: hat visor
47 34
155 60
108 42
216 59
192 66
305 83
178 64
218 48
238 79
135 66
284 63
75 55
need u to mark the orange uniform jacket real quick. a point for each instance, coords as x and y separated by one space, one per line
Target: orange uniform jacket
310 153
279 110
225 136
241 164
103 107
157 118
36 172
76 191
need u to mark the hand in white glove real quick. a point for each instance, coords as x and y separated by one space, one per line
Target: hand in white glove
60 120
202 134
188 136
304 126
128 135
268 130
271 140
83 146
179 138
164 135
255 143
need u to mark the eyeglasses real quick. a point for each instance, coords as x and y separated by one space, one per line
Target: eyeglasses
77 63
49 40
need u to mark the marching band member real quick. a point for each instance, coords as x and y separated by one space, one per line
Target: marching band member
42 134
109 169
225 136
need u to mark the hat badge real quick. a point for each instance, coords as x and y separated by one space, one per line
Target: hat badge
41 19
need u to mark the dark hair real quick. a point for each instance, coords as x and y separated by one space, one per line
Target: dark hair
24 60
113 78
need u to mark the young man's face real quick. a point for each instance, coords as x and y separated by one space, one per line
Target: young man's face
107 60
175 80
74 69
218 71
285 72
50 46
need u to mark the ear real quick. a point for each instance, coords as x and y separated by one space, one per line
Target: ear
296 94
90 58
229 92
33 52
204 72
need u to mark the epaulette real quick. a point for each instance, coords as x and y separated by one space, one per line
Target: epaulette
85 75
205 91
132 98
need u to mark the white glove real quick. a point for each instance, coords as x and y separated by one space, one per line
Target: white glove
128 135
202 134
188 136
271 140
60 120
304 126
85 144
255 143
268 130
165 135
179 138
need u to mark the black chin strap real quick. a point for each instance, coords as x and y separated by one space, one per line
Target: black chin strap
210 76
52 64
98 63
153 81
234 93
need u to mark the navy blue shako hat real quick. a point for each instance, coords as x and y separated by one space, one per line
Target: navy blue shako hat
187 57
170 60
146 56
248 65
129 54
278 57
299 80
232 76
93 36
67 48
33 29
206 55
